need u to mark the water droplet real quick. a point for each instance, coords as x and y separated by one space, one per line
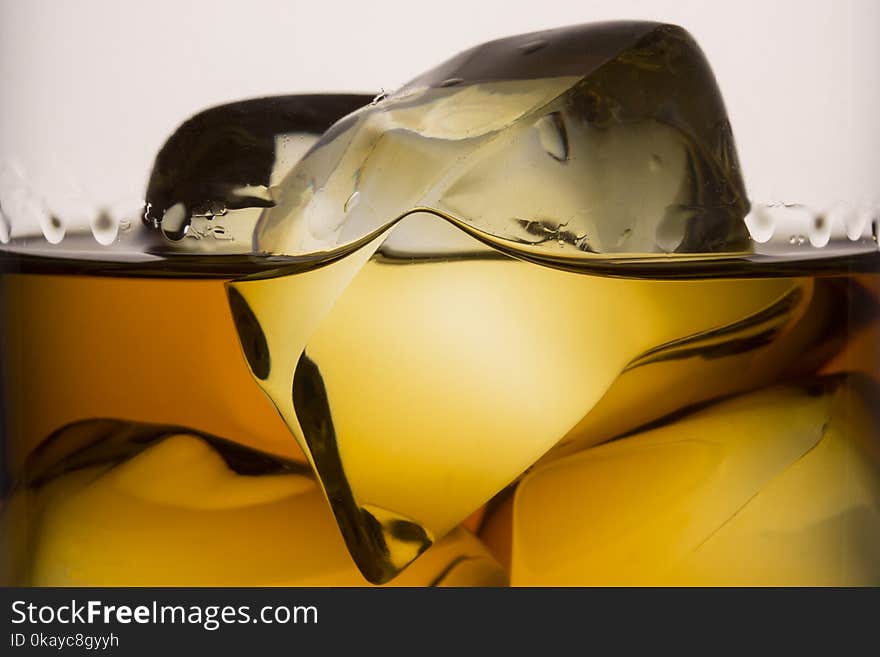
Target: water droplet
175 222
856 223
5 228
760 223
126 213
553 136
820 230
532 46
352 202
104 228
451 82
797 240
53 227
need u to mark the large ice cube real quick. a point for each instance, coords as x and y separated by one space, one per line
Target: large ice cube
423 377
591 140
420 391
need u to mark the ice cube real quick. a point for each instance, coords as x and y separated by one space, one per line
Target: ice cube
587 141
217 172
421 391
143 505
778 487
424 376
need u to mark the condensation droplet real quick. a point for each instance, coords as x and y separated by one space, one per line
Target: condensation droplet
5 228
553 136
53 227
532 46
856 223
175 222
126 213
760 223
104 228
30 211
451 82
797 240
819 230
352 201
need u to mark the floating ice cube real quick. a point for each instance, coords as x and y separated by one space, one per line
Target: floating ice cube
586 134
220 168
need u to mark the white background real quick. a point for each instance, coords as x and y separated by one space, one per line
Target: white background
90 89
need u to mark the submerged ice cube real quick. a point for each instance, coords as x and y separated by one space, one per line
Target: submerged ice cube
132 504
778 487
425 375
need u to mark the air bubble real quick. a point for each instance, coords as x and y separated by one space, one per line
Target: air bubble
175 222
104 228
352 202
553 136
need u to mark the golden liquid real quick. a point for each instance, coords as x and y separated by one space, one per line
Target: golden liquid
672 431
506 324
